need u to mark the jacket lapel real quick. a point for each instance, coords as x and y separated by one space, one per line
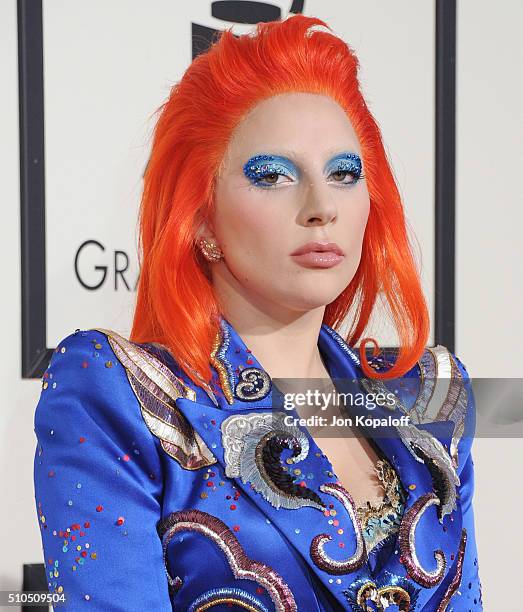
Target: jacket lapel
424 467
300 494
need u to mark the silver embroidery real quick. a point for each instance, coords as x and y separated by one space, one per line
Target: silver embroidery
254 384
443 395
245 439
423 446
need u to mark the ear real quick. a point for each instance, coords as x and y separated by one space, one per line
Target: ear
203 227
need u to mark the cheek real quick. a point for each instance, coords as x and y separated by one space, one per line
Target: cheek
355 219
360 222
251 239
247 226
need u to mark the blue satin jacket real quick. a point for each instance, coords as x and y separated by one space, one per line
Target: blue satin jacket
153 493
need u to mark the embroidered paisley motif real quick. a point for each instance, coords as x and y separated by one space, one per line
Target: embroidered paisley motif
443 395
254 384
366 594
407 542
241 565
229 597
456 580
427 449
252 446
317 548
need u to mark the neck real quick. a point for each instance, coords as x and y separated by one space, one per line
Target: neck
285 344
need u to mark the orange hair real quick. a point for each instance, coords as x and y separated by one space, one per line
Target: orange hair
176 303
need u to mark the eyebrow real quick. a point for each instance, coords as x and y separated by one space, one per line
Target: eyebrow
288 154
293 156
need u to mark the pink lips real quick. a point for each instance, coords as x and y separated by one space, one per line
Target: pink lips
318 254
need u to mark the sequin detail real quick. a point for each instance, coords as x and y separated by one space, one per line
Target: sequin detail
252 446
380 521
443 394
456 580
157 389
366 594
241 565
407 543
425 448
254 384
220 363
453 407
254 169
187 368
227 596
317 551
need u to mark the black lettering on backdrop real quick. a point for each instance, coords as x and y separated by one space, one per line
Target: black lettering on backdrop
119 270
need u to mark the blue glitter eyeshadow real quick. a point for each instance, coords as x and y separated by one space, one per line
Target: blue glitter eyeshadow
260 166
346 162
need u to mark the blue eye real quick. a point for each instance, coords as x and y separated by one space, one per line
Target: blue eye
264 170
353 176
347 165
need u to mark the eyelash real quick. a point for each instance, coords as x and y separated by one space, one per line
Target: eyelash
258 183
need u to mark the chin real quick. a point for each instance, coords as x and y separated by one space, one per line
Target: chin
322 288
310 299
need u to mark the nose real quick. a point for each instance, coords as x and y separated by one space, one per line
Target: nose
319 207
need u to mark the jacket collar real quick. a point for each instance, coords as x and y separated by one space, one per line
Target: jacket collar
248 395
244 382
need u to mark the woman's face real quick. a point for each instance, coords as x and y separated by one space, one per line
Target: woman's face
292 175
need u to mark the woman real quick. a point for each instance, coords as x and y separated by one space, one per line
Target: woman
167 475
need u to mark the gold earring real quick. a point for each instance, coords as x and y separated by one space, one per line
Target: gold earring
210 251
